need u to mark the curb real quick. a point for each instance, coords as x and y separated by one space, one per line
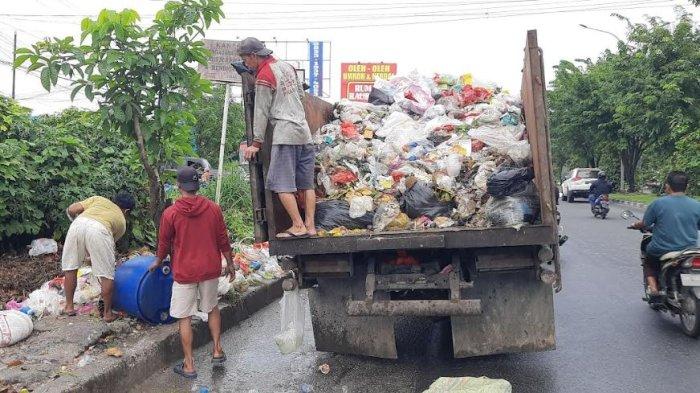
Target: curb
151 354
637 205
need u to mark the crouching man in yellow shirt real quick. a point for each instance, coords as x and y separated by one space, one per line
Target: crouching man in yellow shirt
99 224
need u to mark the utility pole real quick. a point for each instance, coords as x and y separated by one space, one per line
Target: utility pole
14 56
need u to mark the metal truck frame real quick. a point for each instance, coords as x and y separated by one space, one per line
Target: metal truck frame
499 294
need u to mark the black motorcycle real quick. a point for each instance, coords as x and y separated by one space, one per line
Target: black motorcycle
679 283
601 207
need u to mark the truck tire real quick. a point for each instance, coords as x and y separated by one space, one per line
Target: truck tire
564 197
570 197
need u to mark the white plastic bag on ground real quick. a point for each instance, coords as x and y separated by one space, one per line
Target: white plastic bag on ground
470 385
42 246
224 286
292 322
15 326
45 301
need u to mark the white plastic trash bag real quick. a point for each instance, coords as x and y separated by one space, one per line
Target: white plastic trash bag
42 246
470 385
15 326
359 206
292 322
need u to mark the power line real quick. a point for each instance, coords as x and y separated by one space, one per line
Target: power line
465 17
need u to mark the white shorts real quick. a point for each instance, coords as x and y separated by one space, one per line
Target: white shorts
183 302
89 237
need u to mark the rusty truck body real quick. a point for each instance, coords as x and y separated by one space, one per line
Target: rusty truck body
496 295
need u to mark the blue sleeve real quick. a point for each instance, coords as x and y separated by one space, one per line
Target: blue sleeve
650 215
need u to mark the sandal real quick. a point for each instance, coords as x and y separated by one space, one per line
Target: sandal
71 313
180 369
290 235
220 360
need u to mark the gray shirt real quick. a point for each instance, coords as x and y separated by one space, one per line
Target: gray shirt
279 100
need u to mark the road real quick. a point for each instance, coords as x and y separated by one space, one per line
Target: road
608 340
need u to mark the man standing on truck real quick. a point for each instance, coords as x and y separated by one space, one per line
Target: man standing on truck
279 99
97 224
192 231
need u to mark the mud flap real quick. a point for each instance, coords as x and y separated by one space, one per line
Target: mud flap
517 315
336 331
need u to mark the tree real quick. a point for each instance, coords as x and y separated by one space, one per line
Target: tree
143 78
641 98
207 132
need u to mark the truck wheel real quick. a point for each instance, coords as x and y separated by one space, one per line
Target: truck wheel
564 197
570 197
689 315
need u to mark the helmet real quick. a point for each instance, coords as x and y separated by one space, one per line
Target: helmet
602 175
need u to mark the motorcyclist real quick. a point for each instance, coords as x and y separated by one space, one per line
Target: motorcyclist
674 220
599 187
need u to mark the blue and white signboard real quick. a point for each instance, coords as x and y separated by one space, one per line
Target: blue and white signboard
316 68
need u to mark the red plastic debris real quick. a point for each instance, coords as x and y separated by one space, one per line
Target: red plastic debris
343 176
348 130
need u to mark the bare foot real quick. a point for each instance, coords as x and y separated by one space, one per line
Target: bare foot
110 317
311 229
69 312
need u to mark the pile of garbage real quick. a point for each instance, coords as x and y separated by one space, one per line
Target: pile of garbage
425 153
256 266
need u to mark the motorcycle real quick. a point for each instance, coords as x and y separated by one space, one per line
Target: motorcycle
601 207
679 283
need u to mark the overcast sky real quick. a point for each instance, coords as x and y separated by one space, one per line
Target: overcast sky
483 37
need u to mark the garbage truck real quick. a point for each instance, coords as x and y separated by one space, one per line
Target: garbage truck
497 290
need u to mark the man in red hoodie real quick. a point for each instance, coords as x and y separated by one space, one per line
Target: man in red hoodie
193 233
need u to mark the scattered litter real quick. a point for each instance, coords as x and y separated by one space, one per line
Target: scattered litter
470 385
84 361
14 363
306 388
114 352
42 246
324 368
15 326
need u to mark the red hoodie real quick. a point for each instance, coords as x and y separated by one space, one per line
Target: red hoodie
193 232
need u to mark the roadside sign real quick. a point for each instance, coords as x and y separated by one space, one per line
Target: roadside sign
316 68
219 68
357 79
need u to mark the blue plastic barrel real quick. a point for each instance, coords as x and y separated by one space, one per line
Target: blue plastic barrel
143 294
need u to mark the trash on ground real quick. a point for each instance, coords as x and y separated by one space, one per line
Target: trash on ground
324 368
469 385
15 326
114 352
426 153
42 246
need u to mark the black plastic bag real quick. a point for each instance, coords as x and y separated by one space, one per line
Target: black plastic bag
379 97
513 211
420 200
510 181
333 213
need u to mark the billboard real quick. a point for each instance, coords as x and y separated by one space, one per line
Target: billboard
316 68
356 79
219 69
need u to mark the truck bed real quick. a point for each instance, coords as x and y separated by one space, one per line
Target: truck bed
270 217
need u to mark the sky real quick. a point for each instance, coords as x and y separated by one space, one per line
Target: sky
482 37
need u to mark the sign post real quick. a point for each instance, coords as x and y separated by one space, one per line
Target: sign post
316 68
219 69
222 146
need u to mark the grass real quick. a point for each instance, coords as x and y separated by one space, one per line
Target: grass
638 197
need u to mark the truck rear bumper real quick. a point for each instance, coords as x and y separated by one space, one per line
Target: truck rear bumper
419 308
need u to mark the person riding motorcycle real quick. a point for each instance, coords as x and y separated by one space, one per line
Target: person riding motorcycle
674 220
599 187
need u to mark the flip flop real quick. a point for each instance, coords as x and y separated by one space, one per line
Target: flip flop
218 360
291 235
71 313
180 369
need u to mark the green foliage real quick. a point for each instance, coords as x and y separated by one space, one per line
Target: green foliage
639 105
10 112
236 202
207 132
60 159
143 78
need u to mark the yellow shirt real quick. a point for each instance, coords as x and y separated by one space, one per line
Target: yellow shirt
107 213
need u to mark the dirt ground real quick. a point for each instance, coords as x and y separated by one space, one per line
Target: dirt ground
20 274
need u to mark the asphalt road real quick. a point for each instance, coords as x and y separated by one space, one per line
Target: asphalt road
608 340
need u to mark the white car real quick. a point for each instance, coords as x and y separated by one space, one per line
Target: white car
576 183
